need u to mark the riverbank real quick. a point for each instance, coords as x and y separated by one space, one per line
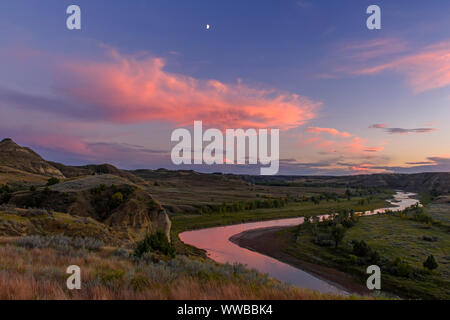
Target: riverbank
402 242
267 242
217 246
189 222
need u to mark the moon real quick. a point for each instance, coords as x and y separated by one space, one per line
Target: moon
208 26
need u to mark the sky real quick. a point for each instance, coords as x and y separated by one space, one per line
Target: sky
346 99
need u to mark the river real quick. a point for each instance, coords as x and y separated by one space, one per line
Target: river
219 248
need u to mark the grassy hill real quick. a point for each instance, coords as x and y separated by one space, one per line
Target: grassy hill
24 159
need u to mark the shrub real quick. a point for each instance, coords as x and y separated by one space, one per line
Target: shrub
99 189
59 242
422 217
430 239
110 277
374 257
5 188
157 242
360 248
139 283
116 200
430 263
120 252
5 194
323 240
52 181
401 268
353 259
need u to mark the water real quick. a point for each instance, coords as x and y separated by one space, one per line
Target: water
218 247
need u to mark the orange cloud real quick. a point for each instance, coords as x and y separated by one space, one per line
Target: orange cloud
129 89
331 131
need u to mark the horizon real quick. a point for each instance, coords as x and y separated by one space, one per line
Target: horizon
347 100
231 173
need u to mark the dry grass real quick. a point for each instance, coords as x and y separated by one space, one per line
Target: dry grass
89 182
40 274
12 175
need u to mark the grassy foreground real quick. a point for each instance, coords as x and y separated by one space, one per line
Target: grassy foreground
28 271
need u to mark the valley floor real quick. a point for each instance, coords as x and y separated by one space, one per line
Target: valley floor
185 222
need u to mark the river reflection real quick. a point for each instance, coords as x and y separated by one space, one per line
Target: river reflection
218 247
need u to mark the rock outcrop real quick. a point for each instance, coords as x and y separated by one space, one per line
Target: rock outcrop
124 207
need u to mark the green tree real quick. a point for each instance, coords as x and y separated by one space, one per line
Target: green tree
157 242
360 248
430 263
337 233
348 194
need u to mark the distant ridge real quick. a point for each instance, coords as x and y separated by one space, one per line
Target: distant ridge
26 160
92 169
432 182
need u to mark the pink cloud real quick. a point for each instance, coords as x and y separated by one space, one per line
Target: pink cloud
374 149
354 146
61 142
378 126
424 70
376 48
130 89
344 142
331 131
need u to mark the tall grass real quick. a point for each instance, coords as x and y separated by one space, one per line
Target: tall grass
39 273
